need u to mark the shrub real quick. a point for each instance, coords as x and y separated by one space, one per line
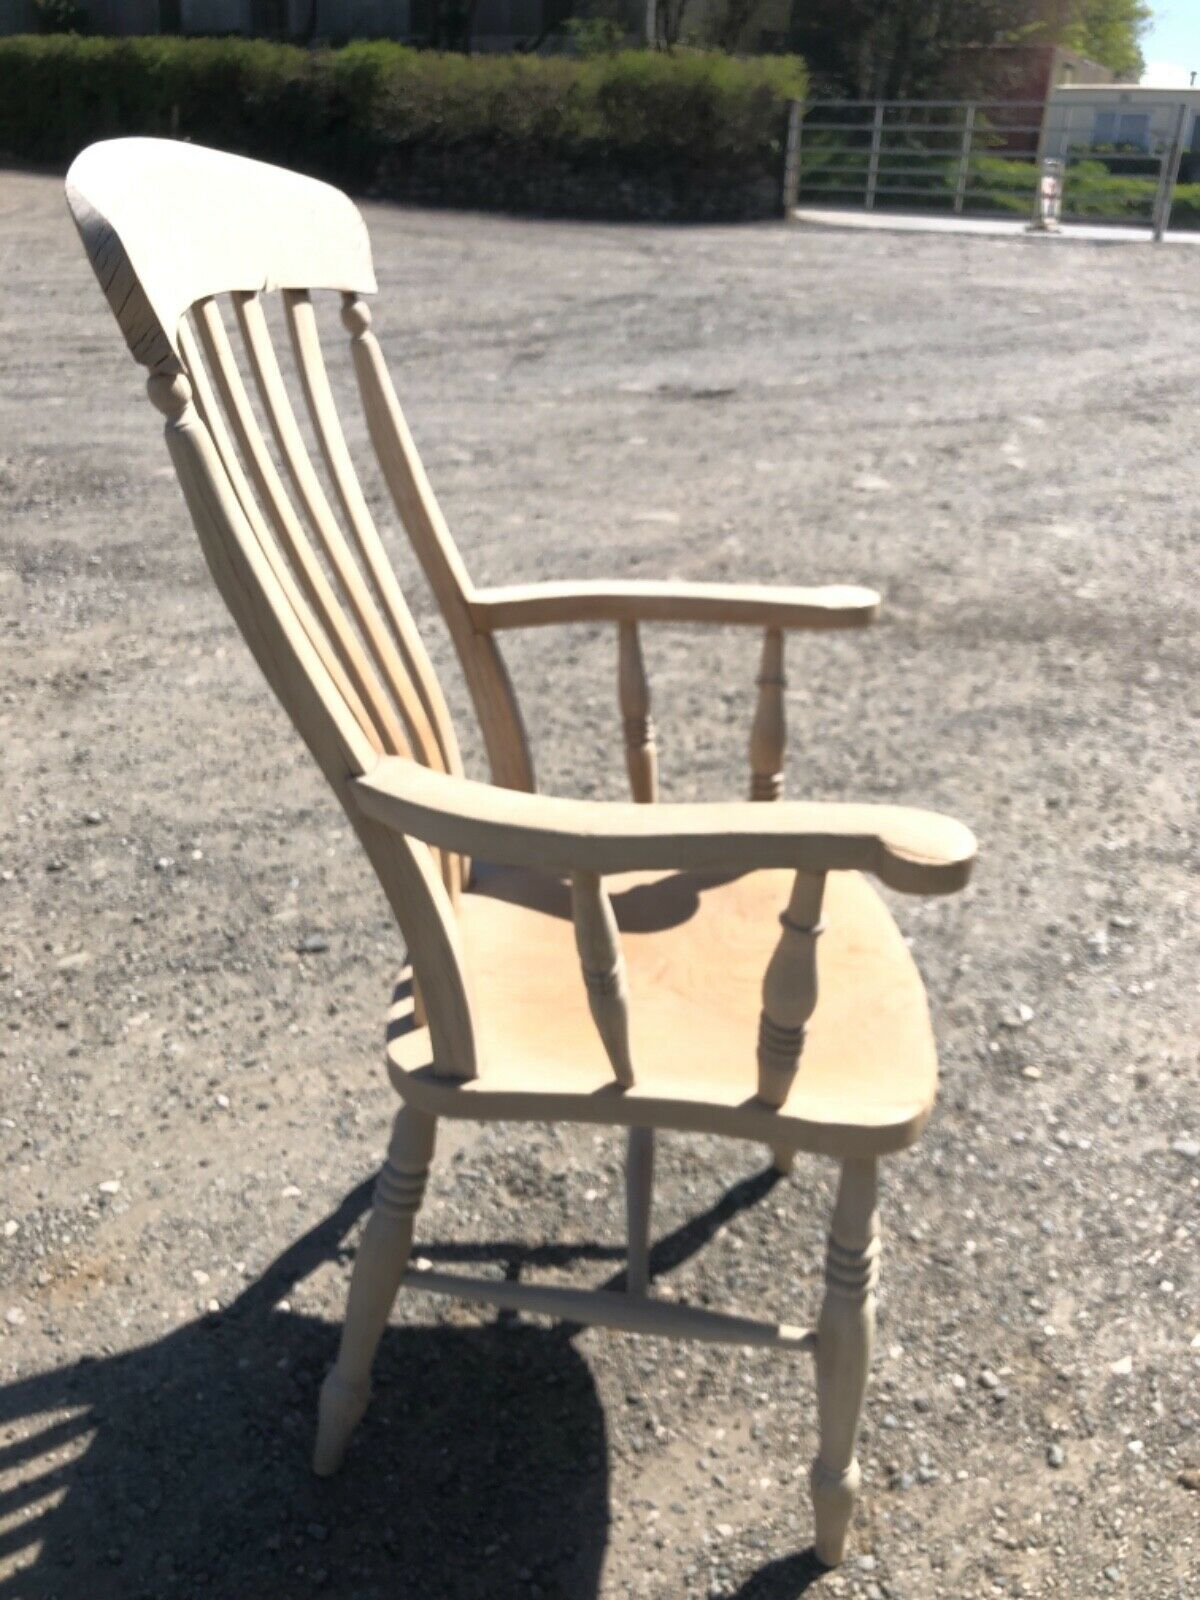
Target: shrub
631 133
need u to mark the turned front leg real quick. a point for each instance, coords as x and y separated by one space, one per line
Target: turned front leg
378 1268
845 1335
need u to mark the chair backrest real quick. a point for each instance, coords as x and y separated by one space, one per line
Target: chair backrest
171 229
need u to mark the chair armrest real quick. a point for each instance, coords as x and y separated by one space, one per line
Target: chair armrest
534 605
918 852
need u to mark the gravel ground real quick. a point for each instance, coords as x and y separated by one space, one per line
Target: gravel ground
1002 436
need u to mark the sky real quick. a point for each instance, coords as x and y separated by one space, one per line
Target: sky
1171 45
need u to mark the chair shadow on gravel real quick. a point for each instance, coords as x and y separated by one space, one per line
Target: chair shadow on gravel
181 1468
785 1579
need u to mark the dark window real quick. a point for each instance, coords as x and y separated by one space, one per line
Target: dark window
1122 128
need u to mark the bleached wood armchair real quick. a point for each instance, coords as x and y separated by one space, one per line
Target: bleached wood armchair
613 963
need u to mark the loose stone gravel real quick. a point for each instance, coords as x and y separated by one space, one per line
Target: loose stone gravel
1003 436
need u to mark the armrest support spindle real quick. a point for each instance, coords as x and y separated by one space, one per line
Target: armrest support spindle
598 942
641 755
769 731
790 990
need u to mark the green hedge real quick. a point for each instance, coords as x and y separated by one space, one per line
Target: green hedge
638 133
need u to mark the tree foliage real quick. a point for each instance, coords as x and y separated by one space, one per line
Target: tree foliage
60 16
894 48
1109 31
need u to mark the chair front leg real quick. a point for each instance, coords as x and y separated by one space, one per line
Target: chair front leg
845 1334
378 1268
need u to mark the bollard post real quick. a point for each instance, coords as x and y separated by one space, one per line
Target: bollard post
791 157
1047 200
1169 174
873 158
964 160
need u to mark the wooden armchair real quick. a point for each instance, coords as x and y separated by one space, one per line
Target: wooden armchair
612 963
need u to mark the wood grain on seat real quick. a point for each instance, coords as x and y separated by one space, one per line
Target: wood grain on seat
696 946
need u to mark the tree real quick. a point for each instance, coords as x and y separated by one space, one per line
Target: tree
666 17
1110 32
60 16
730 22
892 48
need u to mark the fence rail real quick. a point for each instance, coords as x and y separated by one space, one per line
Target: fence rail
984 157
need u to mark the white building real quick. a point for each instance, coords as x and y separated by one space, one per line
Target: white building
1121 116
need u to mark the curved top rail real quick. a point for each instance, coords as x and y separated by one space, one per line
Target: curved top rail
166 224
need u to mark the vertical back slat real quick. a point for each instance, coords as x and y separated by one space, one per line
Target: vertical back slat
210 415
291 535
282 418
254 581
276 628
483 665
260 350
322 409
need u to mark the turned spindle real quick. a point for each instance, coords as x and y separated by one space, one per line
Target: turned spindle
356 316
845 1335
170 393
599 946
789 989
641 756
769 731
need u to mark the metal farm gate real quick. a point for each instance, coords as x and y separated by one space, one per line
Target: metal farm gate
985 157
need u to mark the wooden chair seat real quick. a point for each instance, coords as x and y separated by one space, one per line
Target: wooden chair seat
696 945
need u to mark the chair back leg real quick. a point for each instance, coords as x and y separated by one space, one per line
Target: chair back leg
378 1268
639 1194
